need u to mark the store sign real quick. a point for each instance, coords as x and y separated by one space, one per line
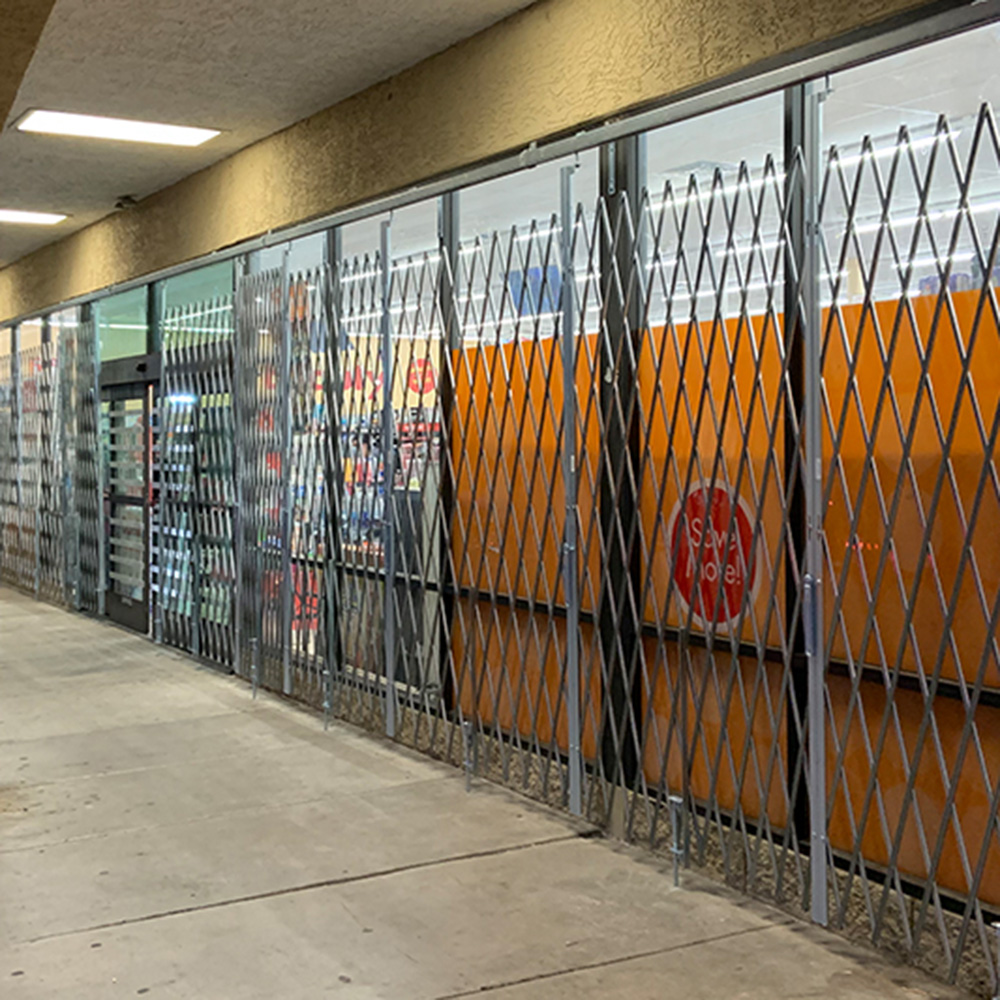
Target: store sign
716 570
367 383
414 377
422 379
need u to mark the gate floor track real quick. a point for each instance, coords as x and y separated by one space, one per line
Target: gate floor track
164 835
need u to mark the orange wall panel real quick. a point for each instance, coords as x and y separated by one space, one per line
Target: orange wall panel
738 699
972 799
855 557
509 666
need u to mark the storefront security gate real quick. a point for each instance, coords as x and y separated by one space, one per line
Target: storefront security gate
49 498
678 511
194 564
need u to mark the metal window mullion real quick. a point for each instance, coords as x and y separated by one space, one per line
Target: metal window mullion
388 477
623 175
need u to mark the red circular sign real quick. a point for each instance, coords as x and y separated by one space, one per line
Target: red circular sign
711 533
422 377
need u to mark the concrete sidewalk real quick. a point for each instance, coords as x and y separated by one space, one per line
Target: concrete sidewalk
164 835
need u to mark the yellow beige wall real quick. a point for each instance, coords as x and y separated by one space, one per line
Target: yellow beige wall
547 70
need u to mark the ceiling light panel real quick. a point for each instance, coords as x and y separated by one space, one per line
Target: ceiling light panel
120 129
18 217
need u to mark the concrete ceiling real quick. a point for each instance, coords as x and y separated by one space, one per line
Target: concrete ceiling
248 67
23 21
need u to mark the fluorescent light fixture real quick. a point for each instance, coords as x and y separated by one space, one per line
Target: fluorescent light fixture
20 218
122 129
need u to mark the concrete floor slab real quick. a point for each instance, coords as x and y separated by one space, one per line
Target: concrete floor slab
163 834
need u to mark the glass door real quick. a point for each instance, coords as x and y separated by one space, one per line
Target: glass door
125 417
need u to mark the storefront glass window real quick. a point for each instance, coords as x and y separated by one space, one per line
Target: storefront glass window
202 285
526 197
123 324
716 190
63 323
924 105
29 335
306 253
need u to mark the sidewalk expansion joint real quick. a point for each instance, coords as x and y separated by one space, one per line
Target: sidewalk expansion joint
604 964
308 887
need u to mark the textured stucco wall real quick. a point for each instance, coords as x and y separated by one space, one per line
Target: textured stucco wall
554 66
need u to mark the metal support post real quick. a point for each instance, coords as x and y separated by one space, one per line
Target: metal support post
3 527
467 753
154 317
99 527
570 557
449 208
254 665
388 478
285 415
333 474
193 521
66 355
240 463
623 174
676 803
802 157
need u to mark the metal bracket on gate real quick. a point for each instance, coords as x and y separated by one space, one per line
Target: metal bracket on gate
327 695
254 664
809 623
676 804
467 739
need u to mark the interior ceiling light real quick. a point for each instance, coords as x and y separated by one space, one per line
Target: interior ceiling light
122 129
30 218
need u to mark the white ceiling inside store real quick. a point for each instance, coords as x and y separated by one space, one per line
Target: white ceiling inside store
248 67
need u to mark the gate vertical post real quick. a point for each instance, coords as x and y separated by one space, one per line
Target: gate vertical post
571 561
803 314
43 443
99 469
449 209
194 508
3 525
240 445
333 475
65 469
284 404
388 479
17 417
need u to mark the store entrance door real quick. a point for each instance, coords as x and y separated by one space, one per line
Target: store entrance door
125 419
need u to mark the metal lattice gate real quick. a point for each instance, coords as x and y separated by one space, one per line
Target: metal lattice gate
50 511
262 381
87 489
545 504
677 510
911 511
194 564
9 470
